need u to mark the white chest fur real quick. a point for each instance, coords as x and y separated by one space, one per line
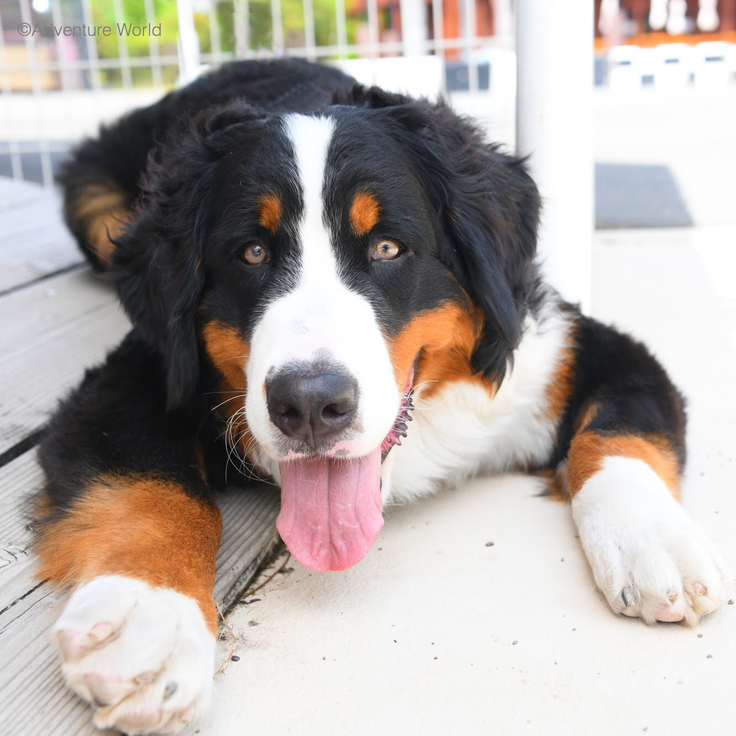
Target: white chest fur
463 430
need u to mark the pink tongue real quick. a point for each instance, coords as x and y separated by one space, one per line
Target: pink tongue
330 509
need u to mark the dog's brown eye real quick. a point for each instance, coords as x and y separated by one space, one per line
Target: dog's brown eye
387 250
255 254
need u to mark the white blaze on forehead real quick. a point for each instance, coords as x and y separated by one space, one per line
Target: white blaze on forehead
321 318
311 138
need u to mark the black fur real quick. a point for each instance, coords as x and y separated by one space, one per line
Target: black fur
116 422
487 209
632 392
119 153
193 165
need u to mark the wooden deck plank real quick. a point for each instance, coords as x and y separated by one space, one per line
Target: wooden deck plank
19 480
32 692
38 309
14 193
49 355
248 535
34 241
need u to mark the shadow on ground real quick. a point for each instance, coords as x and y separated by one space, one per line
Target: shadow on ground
638 195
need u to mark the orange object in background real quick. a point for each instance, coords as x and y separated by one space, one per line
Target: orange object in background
635 14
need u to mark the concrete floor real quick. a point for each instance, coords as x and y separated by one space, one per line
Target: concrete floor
436 632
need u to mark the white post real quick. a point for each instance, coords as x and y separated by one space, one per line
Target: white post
554 95
503 21
188 42
413 27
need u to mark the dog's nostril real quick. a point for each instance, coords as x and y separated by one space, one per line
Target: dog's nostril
336 411
290 414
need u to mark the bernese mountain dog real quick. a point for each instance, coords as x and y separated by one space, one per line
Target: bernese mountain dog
305 261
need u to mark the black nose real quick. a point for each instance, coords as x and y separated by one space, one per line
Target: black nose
312 406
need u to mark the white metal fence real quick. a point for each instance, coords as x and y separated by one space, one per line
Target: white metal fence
63 73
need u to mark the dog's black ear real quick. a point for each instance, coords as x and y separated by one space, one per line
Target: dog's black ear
373 97
488 206
490 216
157 260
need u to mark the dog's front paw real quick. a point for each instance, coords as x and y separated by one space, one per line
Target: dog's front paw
648 558
143 656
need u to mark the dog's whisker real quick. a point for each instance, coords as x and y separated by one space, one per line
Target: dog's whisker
232 398
233 438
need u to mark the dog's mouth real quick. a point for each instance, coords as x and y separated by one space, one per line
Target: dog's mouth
331 507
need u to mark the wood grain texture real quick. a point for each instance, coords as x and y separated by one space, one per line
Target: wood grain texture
33 313
19 480
51 341
34 241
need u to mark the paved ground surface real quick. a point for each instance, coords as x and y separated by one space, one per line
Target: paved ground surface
437 633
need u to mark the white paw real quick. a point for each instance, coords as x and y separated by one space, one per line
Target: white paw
648 558
143 656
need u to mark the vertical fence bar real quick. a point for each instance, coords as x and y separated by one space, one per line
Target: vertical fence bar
310 36
122 45
438 27
277 28
59 44
215 44
503 23
469 32
64 75
93 58
188 42
554 101
342 28
153 47
16 163
242 28
413 27
43 143
374 33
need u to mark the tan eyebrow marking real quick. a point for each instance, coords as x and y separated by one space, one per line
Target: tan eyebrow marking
269 212
364 213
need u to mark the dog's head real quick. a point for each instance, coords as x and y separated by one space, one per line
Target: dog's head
326 267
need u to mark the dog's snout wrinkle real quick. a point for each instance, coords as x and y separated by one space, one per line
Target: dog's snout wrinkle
313 407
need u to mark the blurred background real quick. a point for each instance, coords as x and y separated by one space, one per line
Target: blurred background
662 72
